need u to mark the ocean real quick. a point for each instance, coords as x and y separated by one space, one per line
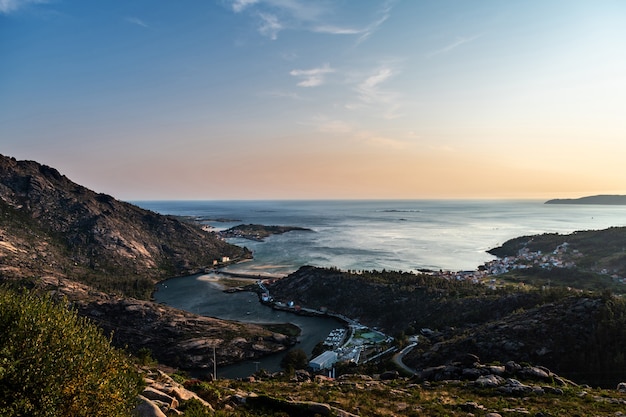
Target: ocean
406 235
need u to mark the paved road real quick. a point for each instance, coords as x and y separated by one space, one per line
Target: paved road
397 359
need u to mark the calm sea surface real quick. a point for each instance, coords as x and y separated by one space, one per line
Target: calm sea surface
361 235
393 235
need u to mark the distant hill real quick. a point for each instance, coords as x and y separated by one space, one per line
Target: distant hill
594 199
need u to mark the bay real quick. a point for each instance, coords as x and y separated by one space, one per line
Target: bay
405 235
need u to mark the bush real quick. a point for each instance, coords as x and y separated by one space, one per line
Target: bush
54 363
294 359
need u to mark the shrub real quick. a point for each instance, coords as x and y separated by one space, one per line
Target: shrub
54 363
294 359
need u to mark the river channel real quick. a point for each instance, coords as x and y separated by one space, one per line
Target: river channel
200 294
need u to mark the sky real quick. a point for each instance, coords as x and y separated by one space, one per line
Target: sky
318 99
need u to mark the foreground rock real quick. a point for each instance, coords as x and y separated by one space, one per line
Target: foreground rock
163 396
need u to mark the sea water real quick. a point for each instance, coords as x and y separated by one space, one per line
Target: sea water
395 235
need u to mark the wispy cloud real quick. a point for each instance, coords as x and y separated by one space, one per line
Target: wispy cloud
363 33
453 45
270 25
312 77
359 137
239 5
305 15
371 94
10 6
136 21
326 125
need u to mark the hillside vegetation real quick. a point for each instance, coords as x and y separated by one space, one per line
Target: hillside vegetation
55 363
578 334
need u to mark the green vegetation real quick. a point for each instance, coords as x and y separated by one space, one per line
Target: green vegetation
294 359
54 363
564 278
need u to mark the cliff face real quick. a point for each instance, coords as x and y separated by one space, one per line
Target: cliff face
94 236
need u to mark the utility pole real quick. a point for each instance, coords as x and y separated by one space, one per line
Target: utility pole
214 365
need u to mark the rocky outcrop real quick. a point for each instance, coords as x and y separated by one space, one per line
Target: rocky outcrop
163 396
147 408
505 378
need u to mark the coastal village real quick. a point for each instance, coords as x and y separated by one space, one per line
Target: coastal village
561 257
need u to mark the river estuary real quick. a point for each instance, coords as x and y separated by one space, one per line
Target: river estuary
200 294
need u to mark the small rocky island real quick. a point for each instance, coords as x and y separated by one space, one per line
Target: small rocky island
594 199
258 232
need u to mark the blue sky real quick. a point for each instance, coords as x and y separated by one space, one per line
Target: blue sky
251 99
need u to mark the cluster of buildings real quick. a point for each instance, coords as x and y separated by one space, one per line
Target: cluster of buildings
561 257
348 346
335 338
343 344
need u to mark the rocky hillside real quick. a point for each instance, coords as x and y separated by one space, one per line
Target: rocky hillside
96 252
174 337
579 335
53 225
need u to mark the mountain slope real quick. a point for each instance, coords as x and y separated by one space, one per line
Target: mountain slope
69 230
